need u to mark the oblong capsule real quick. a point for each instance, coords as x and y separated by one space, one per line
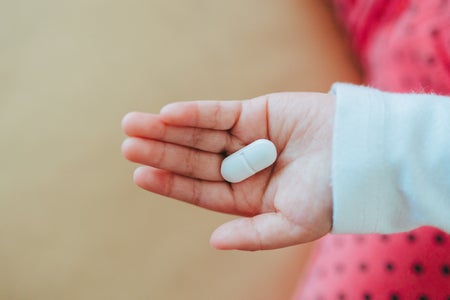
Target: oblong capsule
248 161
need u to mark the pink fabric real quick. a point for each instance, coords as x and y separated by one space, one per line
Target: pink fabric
407 266
403 46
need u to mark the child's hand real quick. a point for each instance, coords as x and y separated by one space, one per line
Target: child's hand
286 204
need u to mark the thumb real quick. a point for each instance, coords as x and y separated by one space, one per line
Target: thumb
262 232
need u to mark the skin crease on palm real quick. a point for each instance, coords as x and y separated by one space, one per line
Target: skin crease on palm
288 203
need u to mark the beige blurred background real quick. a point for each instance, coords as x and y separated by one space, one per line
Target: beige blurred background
72 223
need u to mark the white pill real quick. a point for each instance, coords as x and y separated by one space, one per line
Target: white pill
248 161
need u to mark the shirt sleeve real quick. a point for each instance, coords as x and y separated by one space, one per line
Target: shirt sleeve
391 161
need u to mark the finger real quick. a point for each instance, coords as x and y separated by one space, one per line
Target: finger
221 115
143 125
261 232
151 126
217 196
174 158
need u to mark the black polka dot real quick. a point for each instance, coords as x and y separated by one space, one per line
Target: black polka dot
439 239
384 238
394 296
435 32
363 267
412 238
389 266
423 297
367 296
431 60
417 268
341 296
445 270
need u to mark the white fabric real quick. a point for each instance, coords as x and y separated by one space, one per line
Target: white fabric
391 161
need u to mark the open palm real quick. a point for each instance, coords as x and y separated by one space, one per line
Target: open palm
288 203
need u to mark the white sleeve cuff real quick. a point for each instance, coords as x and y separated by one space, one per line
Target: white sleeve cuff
390 165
